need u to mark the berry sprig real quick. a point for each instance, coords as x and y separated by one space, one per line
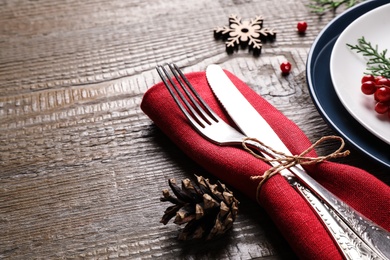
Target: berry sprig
378 86
378 64
376 82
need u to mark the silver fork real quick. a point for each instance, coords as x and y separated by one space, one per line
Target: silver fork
356 236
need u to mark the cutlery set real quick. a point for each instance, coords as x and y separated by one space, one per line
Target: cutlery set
356 236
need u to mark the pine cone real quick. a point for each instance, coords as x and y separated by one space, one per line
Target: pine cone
208 209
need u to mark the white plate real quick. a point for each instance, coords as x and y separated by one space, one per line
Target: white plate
347 68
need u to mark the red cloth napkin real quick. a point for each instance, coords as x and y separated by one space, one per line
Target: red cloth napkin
233 166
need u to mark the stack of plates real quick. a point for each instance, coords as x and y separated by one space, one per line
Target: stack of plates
334 73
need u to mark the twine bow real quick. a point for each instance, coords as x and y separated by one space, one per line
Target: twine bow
286 161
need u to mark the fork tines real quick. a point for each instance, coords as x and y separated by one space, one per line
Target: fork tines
194 111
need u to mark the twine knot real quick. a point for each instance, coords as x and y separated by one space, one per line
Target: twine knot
286 161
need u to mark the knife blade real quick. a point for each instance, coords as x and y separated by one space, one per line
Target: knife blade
248 120
374 241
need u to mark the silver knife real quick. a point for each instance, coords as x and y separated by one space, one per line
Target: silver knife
356 236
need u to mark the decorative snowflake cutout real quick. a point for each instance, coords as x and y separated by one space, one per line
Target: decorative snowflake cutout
245 34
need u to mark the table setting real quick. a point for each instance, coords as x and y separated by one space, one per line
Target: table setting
207 130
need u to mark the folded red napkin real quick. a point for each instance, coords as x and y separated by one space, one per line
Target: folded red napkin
234 166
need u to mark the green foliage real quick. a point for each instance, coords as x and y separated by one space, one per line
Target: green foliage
322 6
378 64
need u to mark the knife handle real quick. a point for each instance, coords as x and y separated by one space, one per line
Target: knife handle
349 243
354 230
356 236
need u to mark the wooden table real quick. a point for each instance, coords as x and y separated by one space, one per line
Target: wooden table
82 167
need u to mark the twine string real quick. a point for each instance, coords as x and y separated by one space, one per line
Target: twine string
286 161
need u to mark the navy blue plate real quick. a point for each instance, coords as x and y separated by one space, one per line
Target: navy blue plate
323 93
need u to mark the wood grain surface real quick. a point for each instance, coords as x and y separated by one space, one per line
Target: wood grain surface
81 166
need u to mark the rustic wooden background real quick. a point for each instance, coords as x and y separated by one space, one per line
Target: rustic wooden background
81 166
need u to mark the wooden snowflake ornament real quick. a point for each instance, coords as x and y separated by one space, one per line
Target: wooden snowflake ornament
245 34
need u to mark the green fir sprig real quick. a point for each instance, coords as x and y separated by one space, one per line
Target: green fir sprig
378 64
323 6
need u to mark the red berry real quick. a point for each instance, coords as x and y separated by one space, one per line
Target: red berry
377 78
285 67
301 26
383 82
368 87
382 94
368 78
381 108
